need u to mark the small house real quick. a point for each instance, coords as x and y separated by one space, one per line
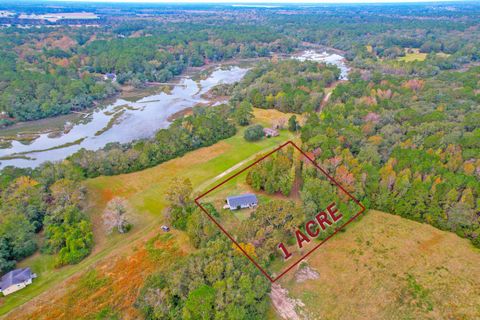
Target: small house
165 228
110 76
248 200
269 132
16 280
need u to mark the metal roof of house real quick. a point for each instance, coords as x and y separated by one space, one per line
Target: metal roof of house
242 200
270 130
15 277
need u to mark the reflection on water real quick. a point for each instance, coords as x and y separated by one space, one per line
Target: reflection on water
122 121
334 59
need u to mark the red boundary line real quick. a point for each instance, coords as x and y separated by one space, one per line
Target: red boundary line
314 248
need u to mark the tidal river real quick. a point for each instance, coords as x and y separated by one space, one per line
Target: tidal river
131 121
124 121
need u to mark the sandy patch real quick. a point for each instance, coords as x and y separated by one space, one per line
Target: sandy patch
284 306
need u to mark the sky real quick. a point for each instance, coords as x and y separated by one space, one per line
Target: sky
272 2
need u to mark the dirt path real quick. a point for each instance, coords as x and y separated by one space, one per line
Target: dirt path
325 101
284 306
329 90
207 183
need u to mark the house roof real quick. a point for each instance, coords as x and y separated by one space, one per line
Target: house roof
241 200
15 277
270 130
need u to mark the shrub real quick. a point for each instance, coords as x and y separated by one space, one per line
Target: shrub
253 133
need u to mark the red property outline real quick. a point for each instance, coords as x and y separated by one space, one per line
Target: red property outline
332 180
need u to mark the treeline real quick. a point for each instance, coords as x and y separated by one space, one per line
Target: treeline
288 85
407 146
162 55
30 204
47 90
216 282
204 127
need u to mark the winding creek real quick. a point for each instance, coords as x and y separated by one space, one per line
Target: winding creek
124 121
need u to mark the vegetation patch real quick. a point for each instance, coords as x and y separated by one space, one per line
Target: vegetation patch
161 246
21 155
113 120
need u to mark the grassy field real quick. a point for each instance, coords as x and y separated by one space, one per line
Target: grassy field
144 191
414 54
386 267
410 57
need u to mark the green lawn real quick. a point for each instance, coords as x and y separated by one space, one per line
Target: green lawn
203 175
410 57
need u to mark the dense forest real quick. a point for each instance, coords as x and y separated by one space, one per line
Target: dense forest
42 202
288 86
406 145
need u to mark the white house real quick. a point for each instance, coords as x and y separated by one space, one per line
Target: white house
247 200
16 280
110 76
270 132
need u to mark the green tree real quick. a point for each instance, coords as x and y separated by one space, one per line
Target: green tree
254 133
293 124
7 262
243 113
17 237
179 198
200 303
179 192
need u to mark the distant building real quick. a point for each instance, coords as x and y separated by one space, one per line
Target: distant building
269 132
110 76
165 228
247 200
16 280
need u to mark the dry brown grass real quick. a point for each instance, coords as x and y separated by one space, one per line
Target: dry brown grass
112 284
267 117
387 267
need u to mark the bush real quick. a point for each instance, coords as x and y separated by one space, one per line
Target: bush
253 133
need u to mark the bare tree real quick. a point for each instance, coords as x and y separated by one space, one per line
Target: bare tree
114 216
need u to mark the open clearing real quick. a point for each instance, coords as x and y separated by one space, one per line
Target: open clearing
387 267
410 57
